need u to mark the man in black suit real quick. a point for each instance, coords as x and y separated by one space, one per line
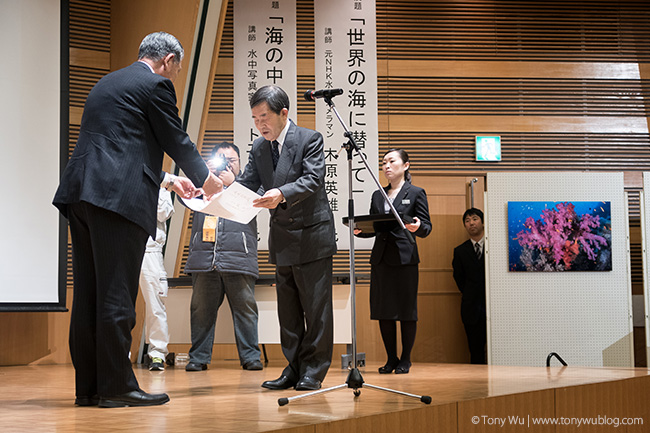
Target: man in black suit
109 193
469 274
288 162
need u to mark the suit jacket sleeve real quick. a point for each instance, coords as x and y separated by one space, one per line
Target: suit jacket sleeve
167 127
459 272
422 212
250 178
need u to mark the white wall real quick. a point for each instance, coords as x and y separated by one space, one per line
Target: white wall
586 317
178 315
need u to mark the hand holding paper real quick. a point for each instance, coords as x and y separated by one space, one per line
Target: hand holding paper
270 200
234 203
184 187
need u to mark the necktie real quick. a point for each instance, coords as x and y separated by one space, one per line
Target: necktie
477 248
275 153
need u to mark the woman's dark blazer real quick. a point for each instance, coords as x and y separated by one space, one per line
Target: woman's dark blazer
393 246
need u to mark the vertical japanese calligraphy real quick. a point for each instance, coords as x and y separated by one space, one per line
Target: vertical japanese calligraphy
346 57
264 53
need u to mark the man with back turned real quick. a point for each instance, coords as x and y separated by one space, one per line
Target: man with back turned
109 193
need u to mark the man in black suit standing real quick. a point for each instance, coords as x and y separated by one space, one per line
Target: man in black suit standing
469 274
289 163
109 193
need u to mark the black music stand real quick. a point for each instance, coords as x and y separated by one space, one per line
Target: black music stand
355 380
370 224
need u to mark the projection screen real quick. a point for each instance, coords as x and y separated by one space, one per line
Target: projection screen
33 84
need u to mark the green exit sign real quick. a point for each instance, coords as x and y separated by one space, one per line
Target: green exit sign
488 148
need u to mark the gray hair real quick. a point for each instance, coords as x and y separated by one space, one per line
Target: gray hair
156 46
274 96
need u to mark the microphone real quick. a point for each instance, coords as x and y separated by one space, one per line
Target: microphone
312 95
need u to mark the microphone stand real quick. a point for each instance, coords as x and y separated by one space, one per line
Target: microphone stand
355 380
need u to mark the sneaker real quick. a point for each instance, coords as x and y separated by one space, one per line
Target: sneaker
157 364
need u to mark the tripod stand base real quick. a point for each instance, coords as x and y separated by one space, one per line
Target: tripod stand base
354 381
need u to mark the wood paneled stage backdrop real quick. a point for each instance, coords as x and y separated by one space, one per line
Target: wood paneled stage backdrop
565 84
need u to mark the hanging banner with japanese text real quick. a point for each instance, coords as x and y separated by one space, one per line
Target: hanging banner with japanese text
346 58
264 53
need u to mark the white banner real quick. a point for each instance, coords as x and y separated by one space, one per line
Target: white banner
346 58
264 53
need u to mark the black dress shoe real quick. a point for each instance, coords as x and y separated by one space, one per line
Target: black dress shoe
282 382
253 365
134 398
388 367
403 368
84 400
307 383
195 366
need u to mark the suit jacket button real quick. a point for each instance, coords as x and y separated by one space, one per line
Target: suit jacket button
275 220
291 220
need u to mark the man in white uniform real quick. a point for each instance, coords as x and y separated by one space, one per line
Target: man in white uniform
153 283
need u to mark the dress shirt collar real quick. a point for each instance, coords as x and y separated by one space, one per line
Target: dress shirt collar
480 242
283 136
148 65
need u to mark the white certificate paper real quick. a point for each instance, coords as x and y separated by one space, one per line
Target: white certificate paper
234 203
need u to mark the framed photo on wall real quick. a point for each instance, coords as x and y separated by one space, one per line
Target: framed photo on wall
559 236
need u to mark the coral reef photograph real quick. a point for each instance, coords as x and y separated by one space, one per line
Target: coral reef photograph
560 236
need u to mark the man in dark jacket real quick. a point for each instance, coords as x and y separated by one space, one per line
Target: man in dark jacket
223 261
287 161
109 193
469 274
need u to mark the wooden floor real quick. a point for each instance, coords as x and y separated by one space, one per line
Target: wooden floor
227 399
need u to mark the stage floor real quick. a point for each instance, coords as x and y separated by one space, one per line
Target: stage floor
225 398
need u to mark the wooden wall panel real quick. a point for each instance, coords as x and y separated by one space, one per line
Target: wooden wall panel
441 335
615 400
521 69
133 20
90 25
425 419
543 30
539 404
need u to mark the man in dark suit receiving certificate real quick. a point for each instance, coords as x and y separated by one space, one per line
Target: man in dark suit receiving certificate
469 274
109 193
288 162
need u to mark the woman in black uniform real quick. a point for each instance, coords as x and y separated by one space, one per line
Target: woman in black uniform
394 261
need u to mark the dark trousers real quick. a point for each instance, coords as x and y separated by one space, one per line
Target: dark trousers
306 318
476 340
107 252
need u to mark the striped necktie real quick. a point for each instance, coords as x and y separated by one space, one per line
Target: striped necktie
275 153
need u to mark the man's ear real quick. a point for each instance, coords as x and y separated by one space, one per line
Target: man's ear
168 59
